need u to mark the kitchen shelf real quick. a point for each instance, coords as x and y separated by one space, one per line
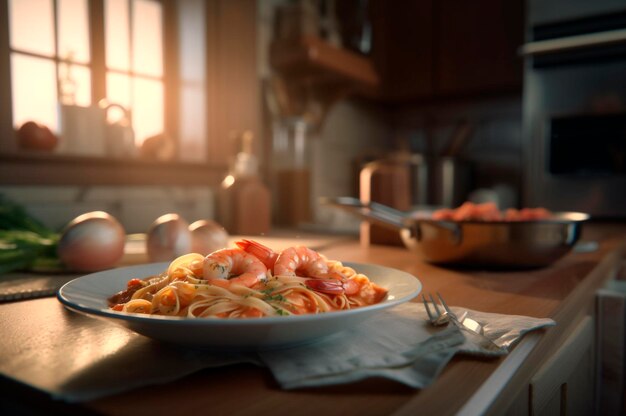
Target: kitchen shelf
312 59
50 169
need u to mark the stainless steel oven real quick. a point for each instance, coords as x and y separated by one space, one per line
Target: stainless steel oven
575 106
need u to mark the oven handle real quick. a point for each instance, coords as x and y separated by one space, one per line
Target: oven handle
573 42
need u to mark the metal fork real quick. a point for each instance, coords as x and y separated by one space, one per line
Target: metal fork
472 329
439 318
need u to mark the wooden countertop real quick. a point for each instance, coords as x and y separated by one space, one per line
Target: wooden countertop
564 292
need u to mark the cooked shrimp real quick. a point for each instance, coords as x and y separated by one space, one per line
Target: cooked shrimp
300 261
261 252
233 265
332 286
305 261
489 211
338 280
289 262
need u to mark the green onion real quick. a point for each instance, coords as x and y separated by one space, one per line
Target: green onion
25 243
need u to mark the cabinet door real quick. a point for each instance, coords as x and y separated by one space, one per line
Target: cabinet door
403 48
565 383
477 44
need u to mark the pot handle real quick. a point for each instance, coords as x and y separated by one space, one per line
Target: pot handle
377 213
391 218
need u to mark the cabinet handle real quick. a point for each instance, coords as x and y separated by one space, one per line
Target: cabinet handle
573 42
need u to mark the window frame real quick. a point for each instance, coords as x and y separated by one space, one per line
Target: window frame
232 96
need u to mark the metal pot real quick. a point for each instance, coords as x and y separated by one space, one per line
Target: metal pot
488 244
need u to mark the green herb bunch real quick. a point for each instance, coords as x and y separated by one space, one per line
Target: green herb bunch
25 242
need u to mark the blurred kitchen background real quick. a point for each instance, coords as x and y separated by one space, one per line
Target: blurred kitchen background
165 106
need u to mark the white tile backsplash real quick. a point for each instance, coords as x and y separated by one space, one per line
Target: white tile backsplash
135 207
351 130
49 194
56 215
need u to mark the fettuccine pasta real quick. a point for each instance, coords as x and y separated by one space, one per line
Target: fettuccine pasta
249 281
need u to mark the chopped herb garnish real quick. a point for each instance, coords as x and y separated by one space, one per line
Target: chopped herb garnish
275 298
267 291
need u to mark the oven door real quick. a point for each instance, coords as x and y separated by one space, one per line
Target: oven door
575 114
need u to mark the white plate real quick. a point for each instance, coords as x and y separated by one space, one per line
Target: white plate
88 295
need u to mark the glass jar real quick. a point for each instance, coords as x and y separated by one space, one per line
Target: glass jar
291 173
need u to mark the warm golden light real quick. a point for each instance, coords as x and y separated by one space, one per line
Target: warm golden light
117 33
147 37
134 61
32 26
148 109
228 181
119 92
73 30
33 84
130 81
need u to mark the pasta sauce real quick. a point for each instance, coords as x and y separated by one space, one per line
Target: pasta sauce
249 281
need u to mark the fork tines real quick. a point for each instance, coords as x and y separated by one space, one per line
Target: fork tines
430 314
443 302
436 314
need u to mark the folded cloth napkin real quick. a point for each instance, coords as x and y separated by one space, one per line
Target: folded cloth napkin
399 344
504 330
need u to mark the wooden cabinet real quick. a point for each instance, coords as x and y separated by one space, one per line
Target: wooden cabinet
477 45
421 50
429 49
565 384
403 49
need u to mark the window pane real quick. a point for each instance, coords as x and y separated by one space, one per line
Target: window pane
147 109
73 30
192 139
147 38
117 35
118 92
34 88
192 42
192 130
32 26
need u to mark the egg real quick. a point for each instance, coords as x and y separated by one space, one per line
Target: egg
207 236
91 242
168 237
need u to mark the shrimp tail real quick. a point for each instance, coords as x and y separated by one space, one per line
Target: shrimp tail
258 250
333 286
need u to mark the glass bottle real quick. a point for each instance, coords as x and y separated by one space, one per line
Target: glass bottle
243 199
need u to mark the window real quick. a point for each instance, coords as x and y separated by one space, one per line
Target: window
187 69
134 62
41 54
59 81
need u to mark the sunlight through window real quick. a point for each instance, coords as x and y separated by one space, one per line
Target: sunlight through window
134 60
73 30
33 85
51 61
117 34
42 73
147 38
148 109
32 26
